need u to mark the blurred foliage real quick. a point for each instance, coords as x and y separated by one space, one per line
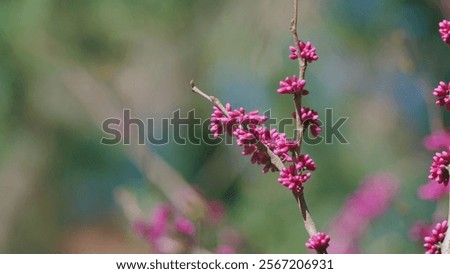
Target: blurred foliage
379 61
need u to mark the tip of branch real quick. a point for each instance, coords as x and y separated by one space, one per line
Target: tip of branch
192 83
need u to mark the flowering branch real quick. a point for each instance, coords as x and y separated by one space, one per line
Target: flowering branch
302 62
439 240
444 89
270 148
274 160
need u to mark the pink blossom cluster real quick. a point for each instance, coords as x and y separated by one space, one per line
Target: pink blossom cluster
439 169
255 139
292 86
442 92
319 242
236 118
433 191
444 30
307 52
310 119
295 175
433 242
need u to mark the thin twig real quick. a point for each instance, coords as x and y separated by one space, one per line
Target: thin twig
212 99
306 215
298 121
301 75
301 62
445 248
274 159
303 207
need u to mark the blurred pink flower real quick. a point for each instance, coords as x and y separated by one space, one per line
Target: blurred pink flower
420 230
160 230
216 212
224 249
184 226
437 140
159 221
432 191
154 229
372 199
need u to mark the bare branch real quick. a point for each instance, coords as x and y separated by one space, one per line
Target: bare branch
212 99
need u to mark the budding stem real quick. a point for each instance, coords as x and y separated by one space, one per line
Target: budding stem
310 226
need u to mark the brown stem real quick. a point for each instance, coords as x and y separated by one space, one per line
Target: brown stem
301 62
310 226
306 216
302 70
445 248
298 121
303 207
212 99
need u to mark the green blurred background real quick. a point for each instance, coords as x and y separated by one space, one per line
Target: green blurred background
65 66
